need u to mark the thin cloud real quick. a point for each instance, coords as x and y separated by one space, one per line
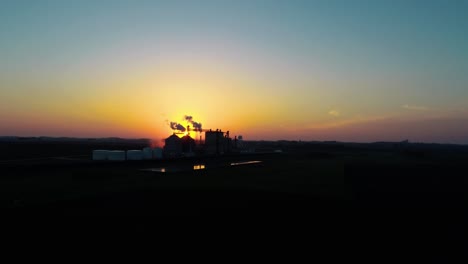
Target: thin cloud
334 113
349 122
415 107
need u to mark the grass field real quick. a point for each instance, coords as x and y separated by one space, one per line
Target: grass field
418 195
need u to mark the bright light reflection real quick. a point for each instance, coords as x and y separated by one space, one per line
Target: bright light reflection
199 167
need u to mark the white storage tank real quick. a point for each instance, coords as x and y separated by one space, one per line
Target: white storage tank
157 153
134 155
116 155
100 154
147 153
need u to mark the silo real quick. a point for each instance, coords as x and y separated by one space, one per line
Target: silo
173 147
157 153
134 155
147 153
116 155
100 154
188 144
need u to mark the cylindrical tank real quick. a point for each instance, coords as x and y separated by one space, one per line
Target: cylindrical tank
157 153
134 155
100 154
118 155
147 153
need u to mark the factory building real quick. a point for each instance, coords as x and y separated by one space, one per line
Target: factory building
218 142
214 142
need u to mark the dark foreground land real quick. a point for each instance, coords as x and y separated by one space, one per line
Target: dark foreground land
402 197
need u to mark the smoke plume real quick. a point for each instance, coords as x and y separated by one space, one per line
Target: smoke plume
196 126
177 126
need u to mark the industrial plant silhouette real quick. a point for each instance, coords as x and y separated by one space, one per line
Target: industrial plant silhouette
213 174
180 144
215 143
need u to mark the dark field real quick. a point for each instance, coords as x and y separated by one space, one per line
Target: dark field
408 198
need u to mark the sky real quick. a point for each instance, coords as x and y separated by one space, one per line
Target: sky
360 71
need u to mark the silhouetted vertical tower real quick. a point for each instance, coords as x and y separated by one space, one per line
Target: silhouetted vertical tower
217 142
214 142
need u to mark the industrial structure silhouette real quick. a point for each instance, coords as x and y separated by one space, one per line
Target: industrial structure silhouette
216 142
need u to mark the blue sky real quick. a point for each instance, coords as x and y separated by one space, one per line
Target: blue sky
302 60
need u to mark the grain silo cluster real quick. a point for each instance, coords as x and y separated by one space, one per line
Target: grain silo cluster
216 142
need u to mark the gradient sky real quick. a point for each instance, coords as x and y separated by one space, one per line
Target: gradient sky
310 70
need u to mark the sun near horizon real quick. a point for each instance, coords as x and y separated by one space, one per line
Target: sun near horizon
315 70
